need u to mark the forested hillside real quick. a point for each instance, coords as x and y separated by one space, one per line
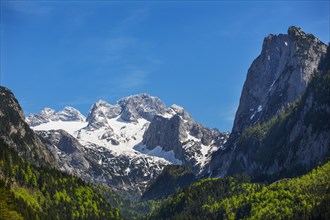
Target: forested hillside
306 197
29 192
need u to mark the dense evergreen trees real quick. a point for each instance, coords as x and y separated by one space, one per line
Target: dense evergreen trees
306 197
29 192
171 180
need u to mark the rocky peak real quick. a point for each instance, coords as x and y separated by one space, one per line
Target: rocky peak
48 114
190 142
141 106
16 132
278 76
272 133
181 112
70 114
100 112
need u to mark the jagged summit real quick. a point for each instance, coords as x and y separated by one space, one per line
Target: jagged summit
16 132
48 114
129 142
278 76
141 106
100 112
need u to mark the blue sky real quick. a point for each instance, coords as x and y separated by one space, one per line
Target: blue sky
195 54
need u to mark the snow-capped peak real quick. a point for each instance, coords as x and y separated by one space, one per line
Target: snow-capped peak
70 114
141 106
48 115
100 113
133 140
47 112
179 110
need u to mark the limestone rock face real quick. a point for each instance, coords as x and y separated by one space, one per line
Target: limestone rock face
275 133
191 142
141 106
278 76
16 132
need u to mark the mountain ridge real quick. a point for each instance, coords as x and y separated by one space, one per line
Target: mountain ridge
126 132
253 139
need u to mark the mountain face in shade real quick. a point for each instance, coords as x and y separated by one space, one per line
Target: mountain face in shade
284 104
278 76
15 132
172 179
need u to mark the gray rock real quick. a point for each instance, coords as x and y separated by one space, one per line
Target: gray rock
16 132
182 135
48 114
272 134
98 164
99 113
141 106
278 76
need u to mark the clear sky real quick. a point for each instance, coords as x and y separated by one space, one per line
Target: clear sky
194 54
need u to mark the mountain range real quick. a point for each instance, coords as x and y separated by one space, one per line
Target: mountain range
140 148
128 143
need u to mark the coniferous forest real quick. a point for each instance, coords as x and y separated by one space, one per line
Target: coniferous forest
29 192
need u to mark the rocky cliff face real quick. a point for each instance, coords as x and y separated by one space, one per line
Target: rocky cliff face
16 132
273 133
141 106
191 143
278 76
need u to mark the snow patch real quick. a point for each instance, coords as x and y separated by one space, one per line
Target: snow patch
69 126
159 152
259 108
271 86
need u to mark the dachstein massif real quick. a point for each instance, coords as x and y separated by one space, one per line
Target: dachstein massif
140 159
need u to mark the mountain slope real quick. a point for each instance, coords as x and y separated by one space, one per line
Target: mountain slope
31 187
16 132
305 197
295 136
30 192
172 179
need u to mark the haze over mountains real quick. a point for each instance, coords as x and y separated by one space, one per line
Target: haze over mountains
281 130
